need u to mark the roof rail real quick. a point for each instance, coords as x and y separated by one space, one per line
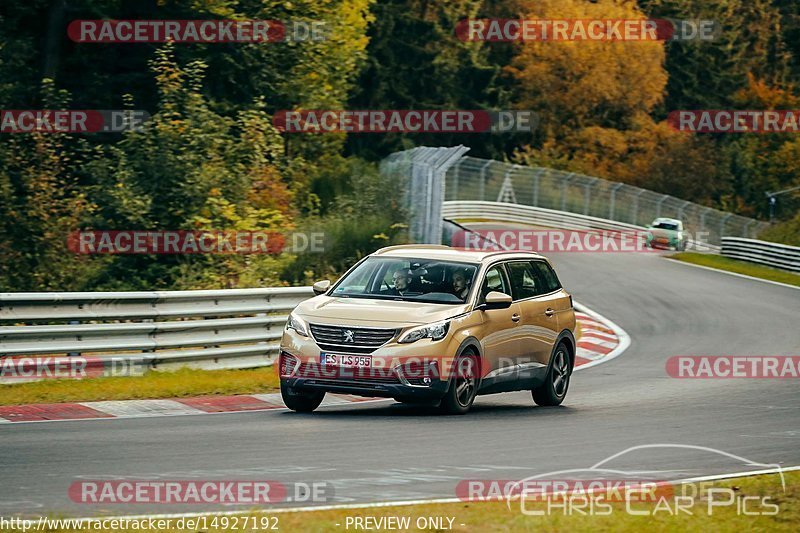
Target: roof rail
402 246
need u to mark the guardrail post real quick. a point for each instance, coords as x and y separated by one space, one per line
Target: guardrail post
74 323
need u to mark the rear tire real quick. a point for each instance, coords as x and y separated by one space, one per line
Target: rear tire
554 389
463 386
301 401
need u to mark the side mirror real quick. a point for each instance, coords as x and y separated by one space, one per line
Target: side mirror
496 300
321 287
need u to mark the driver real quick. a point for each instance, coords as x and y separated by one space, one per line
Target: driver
400 279
460 288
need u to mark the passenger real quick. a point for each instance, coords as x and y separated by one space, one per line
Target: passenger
460 288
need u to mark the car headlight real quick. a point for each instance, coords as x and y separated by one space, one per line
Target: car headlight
298 324
434 332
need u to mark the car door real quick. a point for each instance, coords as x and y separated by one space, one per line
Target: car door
500 335
553 302
536 326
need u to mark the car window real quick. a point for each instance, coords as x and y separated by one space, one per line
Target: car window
411 279
494 281
666 226
523 280
546 277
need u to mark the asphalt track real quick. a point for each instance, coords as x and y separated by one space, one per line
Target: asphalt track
384 451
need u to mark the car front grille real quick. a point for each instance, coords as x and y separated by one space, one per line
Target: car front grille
358 340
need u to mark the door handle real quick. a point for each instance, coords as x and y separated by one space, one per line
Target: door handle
549 312
515 317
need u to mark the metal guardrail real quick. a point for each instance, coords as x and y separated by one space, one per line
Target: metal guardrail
762 252
236 328
538 216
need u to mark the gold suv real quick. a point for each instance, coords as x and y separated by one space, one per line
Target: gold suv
432 324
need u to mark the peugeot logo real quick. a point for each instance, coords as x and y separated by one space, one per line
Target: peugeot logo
348 336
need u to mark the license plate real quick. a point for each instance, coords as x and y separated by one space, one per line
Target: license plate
662 241
352 361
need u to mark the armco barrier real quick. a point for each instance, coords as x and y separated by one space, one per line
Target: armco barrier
539 216
237 328
765 253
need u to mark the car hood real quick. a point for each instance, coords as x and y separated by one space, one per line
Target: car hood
368 312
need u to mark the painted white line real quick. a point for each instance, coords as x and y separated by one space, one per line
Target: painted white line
735 274
624 338
142 408
401 503
597 341
586 354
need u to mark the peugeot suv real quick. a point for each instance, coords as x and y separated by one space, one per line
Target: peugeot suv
432 324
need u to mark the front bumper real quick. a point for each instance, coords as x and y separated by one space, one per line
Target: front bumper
433 392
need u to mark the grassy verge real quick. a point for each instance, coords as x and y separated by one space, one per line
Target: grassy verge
739 267
181 383
496 516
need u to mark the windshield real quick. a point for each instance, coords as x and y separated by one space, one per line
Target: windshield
408 279
666 225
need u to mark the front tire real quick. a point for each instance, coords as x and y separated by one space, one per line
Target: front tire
554 389
463 387
301 401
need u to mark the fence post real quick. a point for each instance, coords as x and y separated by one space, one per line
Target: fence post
681 208
747 228
722 225
613 200
586 188
564 185
482 184
636 207
703 218
658 205
456 170
536 186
